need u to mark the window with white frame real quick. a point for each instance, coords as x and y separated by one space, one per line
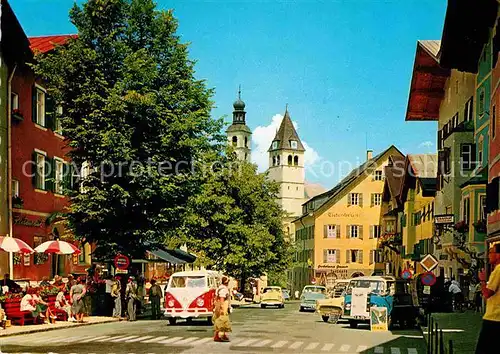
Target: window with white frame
378 175
480 146
376 199
40 170
467 152
57 121
14 100
59 175
353 231
293 144
466 210
469 110
40 106
354 199
332 231
375 231
15 188
482 207
331 256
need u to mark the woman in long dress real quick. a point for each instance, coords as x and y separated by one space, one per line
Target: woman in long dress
76 299
222 324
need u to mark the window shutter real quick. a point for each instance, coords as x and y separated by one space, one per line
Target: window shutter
34 170
33 103
348 231
66 179
50 112
337 230
325 231
348 256
325 256
360 199
372 256
337 255
360 232
372 232
473 156
360 254
50 174
349 199
372 203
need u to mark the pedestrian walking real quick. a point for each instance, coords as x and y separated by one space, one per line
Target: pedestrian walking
116 294
222 324
76 295
487 342
456 294
108 301
155 294
131 297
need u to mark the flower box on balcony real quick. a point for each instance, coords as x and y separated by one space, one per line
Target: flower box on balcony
480 226
461 227
17 115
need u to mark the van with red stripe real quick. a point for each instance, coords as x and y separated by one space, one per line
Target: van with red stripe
191 295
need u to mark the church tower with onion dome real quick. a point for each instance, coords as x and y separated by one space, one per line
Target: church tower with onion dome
238 133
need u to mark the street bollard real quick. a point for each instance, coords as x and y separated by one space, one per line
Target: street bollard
450 347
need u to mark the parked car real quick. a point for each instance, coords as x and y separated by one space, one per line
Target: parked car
272 296
310 294
330 309
286 294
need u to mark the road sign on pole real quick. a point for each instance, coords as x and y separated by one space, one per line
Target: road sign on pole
429 262
428 279
406 274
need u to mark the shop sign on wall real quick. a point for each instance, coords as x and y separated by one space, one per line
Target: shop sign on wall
24 221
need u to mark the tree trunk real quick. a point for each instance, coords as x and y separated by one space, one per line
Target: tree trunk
243 280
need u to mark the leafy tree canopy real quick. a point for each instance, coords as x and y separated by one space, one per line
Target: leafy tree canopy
133 110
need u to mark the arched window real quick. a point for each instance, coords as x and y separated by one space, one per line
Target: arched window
235 141
245 155
246 142
278 160
290 160
274 160
296 160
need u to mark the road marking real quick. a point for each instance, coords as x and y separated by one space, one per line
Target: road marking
122 339
451 330
410 336
327 347
247 342
155 339
93 339
67 339
187 340
138 339
262 343
379 350
395 351
279 344
361 348
202 340
412 351
170 340
345 348
295 345
311 346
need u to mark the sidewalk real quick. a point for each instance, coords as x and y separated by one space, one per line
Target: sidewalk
17 330
461 328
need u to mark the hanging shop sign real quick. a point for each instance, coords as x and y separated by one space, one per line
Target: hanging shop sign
444 219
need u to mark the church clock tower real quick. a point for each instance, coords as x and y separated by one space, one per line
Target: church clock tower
239 134
286 167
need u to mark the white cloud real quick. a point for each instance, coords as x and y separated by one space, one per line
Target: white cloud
262 136
426 145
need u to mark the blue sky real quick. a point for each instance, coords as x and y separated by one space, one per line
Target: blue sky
344 68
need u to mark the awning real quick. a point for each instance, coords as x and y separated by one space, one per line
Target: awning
174 256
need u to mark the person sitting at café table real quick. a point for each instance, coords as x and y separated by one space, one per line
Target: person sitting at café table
58 281
12 285
63 304
33 303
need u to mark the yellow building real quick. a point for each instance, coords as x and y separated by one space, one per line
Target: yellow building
418 190
336 236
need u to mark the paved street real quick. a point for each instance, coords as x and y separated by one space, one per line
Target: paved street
255 331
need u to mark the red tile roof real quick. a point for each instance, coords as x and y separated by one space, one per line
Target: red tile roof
45 44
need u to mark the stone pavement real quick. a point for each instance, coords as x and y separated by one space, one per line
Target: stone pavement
17 330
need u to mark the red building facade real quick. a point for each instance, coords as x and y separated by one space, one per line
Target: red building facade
39 173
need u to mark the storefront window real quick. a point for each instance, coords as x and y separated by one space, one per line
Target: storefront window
39 258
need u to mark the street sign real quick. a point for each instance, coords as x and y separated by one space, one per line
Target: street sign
122 262
429 262
444 219
427 290
406 274
121 271
378 319
428 279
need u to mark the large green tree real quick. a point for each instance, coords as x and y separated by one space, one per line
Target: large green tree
235 224
133 110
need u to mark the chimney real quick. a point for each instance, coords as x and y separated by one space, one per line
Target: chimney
369 155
